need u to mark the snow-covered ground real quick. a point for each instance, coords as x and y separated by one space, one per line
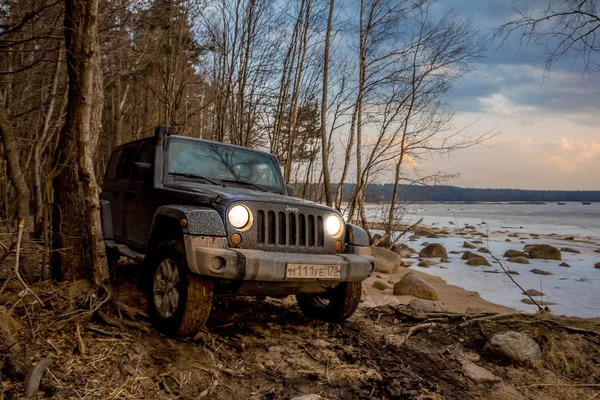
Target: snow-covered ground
575 290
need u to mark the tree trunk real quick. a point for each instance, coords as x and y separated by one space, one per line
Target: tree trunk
15 173
76 218
324 142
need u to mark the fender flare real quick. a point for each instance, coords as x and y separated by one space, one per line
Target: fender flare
106 220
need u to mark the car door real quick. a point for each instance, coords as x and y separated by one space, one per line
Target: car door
119 189
139 208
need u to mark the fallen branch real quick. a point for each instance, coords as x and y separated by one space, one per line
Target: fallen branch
16 270
105 333
491 318
416 329
131 312
34 376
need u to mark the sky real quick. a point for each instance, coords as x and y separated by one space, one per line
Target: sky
548 122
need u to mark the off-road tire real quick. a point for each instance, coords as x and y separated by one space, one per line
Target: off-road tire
195 293
335 306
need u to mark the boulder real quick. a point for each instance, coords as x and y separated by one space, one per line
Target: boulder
543 251
381 285
478 374
541 272
434 250
426 306
426 263
478 261
564 264
513 346
533 292
467 254
412 284
520 260
468 245
402 250
570 250
515 253
386 261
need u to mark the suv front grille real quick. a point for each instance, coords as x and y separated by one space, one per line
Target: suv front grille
289 229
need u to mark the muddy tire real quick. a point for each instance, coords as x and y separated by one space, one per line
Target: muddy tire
335 306
179 301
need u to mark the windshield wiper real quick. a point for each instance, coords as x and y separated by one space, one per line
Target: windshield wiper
262 189
188 175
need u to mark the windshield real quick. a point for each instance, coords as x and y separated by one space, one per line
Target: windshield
211 162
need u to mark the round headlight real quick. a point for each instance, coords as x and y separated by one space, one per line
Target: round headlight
239 217
333 225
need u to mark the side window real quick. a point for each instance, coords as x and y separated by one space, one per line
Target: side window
146 153
113 166
127 163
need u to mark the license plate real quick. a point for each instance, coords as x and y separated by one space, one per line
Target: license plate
310 271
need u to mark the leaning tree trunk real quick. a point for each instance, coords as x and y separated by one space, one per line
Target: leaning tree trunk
76 217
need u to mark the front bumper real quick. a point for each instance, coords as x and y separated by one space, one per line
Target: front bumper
211 256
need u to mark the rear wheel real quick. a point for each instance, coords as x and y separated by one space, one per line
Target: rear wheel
179 301
336 305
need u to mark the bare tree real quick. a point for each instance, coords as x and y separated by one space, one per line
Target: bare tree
76 219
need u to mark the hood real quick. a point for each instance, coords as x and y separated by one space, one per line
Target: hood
229 194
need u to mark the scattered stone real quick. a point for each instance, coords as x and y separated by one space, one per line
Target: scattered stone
570 250
478 241
470 227
597 251
386 261
513 346
434 250
269 363
426 306
393 303
478 262
520 260
597 265
443 232
541 272
321 343
423 231
512 272
426 263
533 292
381 285
515 253
478 374
454 252
543 251
539 302
402 250
380 276
445 260
412 284
569 238
377 238
434 236
406 264
425 244
483 250
468 245
507 240
564 264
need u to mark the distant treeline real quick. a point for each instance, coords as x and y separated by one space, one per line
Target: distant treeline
378 193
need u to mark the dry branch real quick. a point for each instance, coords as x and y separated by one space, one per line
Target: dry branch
34 376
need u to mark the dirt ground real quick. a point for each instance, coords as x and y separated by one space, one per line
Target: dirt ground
266 349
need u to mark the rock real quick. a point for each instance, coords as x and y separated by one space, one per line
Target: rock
426 306
443 232
406 264
478 262
402 250
569 238
434 236
412 284
425 244
320 343
483 250
543 251
507 240
454 252
597 251
478 374
269 363
412 251
541 272
445 260
511 272
533 292
377 238
381 285
513 346
386 261
597 265
434 250
468 245
520 260
564 264
570 250
423 231
539 302
515 253
426 263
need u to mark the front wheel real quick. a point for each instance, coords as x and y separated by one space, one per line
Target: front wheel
336 305
179 301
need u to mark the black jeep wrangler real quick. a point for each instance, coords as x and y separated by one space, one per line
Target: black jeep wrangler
208 218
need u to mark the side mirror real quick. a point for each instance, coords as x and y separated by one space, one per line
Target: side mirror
142 171
289 188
